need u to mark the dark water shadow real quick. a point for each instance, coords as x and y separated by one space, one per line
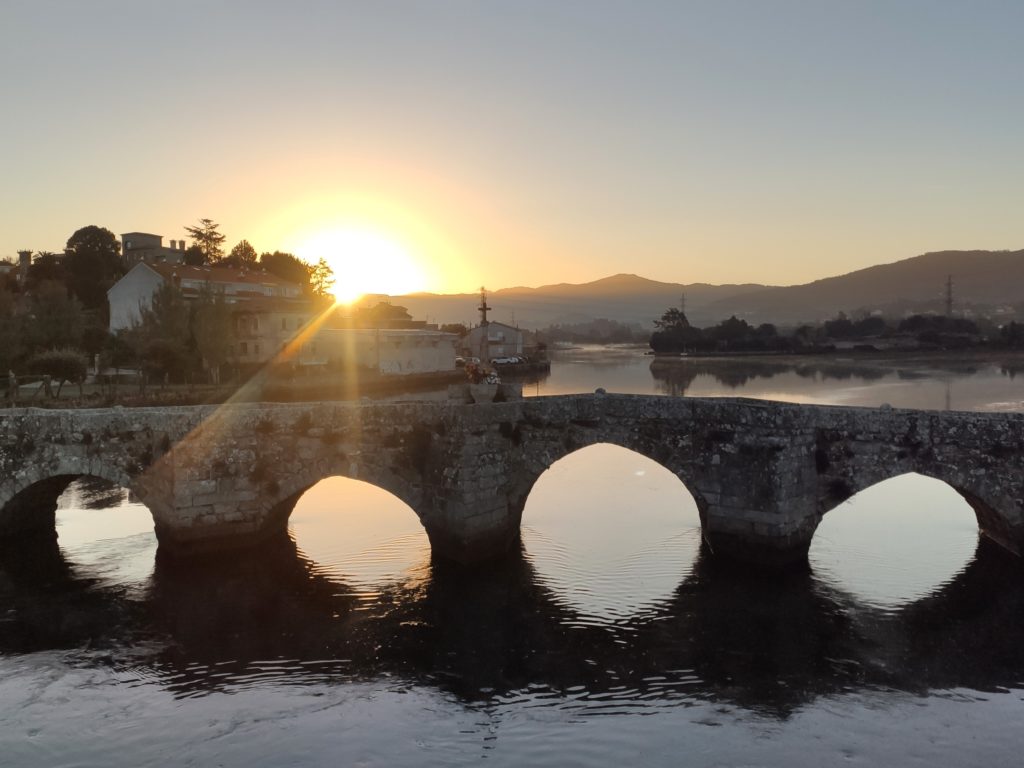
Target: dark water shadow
767 645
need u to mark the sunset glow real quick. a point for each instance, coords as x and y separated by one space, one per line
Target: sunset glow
364 261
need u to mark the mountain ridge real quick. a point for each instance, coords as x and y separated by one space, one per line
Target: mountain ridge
980 277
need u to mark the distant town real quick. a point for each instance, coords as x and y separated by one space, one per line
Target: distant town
109 319
132 315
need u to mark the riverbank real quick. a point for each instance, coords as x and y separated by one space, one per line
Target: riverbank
888 357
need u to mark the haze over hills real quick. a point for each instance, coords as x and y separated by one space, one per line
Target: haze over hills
622 297
990 278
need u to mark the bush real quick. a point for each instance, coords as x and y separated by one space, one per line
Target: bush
164 360
60 365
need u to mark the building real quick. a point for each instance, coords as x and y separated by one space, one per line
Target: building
142 246
24 262
491 340
266 310
268 314
389 351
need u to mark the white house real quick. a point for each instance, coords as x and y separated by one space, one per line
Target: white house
491 340
134 292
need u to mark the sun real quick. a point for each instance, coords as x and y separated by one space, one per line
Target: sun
364 261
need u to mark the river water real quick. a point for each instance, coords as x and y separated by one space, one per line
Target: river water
610 639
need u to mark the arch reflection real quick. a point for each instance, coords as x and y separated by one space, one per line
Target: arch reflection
895 542
105 531
358 532
610 531
271 619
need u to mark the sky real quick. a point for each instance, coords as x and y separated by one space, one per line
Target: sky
447 145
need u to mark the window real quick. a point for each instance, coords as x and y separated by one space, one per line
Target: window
243 348
256 349
284 323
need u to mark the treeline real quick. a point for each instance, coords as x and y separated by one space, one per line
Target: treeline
55 322
599 331
675 335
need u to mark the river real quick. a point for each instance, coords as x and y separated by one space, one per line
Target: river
610 639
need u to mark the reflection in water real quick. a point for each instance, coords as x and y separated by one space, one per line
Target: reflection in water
895 542
358 532
768 645
610 531
930 383
303 653
105 532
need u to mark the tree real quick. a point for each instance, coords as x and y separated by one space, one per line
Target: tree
163 359
11 336
287 267
731 331
242 255
60 365
674 333
46 266
208 240
672 319
55 319
321 279
840 328
1012 334
194 256
459 329
162 339
211 329
92 258
167 316
9 281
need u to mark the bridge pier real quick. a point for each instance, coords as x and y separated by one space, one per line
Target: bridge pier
758 499
767 548
774 534
33 512
469 545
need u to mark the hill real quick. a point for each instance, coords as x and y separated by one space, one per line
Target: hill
990 278
980 278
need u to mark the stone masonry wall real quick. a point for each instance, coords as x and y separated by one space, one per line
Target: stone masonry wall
762 473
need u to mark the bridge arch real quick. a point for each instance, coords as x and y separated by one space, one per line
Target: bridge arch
610 532
997 514
358 531
279 496
28 504
897 540
535 464
529 482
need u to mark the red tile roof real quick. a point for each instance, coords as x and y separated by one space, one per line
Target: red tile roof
218 274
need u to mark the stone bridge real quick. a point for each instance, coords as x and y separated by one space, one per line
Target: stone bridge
762 473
